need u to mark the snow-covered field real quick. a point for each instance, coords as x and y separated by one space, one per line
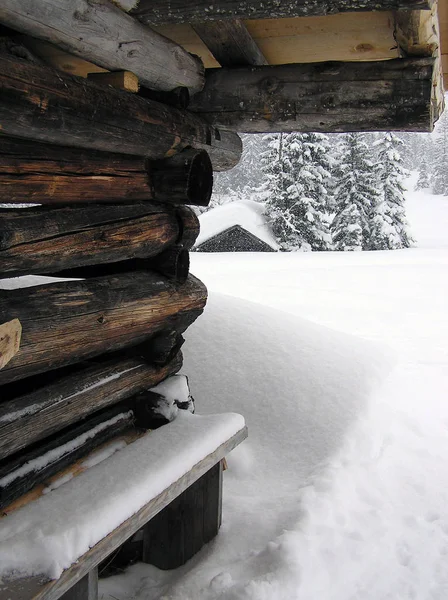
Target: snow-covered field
341 491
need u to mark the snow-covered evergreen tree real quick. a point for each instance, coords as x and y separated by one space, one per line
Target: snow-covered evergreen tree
298 178
389 228
440 171
423 181
355 194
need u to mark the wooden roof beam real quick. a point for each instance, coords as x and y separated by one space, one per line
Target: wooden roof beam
326 97
230 43
159 12
102 33
40 104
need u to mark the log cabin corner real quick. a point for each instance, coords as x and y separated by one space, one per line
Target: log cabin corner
113 118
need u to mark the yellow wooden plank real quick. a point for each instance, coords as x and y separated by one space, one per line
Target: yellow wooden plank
10 336
122 80
349 36
345 37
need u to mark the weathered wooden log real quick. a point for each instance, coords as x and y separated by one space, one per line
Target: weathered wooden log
71 111
66 322
189 227
230 43
101 33
188 174
326 97
31 172
159 12
56 405
173 263
19 474
38 240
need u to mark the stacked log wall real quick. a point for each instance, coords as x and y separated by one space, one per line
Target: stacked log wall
109 176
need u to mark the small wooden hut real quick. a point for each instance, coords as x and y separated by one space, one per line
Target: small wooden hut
113 117
238 226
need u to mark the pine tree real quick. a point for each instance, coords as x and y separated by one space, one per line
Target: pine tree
423 182
298 175
388 225
440 173
354 194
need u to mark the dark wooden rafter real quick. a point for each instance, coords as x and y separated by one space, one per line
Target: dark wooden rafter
67 322
325 97
230 43
74 112
103 34
159 12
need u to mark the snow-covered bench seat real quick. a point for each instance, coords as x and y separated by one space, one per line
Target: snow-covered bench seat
55 543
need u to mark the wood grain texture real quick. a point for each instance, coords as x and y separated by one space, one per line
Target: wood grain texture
103 34
326 97
64 401
230 43
64 323
44 105
32 172
10 336
40 241
36 588
157 12
48 174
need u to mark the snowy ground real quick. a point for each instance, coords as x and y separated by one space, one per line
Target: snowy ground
333 497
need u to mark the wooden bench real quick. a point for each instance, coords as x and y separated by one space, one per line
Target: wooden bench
176 477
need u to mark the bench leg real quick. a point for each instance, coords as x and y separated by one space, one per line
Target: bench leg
181 529
85 589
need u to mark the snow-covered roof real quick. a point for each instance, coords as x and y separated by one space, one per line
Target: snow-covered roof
246 213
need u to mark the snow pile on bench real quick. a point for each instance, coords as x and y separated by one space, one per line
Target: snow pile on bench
49 534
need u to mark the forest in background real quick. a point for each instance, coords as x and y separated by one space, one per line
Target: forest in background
336 191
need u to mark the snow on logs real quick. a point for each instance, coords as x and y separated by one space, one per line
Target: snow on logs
41 241
327 97
160 12
49 174
103 34
66 322
61 400
70 111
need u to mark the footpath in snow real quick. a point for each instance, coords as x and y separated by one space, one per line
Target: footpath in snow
341 491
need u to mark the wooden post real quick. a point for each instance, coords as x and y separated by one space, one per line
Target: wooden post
101 33
85 589
75 112
181 529
326 97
